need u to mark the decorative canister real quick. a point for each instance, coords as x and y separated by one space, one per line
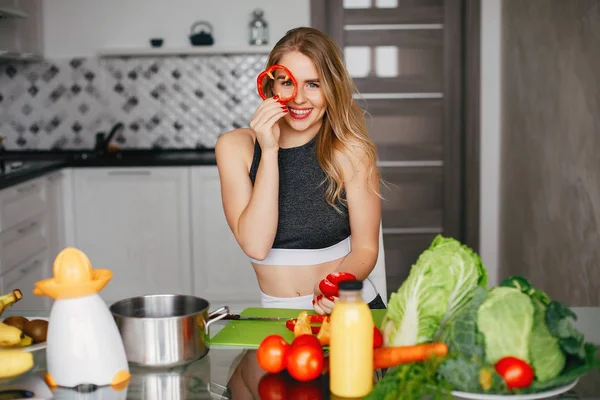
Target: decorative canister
258 29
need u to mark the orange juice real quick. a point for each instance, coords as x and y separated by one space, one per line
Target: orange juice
351 343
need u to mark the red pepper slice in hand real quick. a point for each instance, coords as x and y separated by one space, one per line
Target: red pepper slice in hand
268 73
329 285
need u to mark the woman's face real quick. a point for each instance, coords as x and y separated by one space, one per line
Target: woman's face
306 110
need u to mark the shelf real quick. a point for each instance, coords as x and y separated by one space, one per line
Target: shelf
12 13
15 56
174 51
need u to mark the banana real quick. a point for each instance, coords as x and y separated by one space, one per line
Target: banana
26 341
14 363
10 336
9 299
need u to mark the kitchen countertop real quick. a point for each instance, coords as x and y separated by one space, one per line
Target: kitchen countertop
35 164
215 375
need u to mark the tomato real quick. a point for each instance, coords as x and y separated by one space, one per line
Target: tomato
515 372
309 340
272 353
272 387
305 359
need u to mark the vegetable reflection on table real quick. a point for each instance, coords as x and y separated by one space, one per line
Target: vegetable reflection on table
250 381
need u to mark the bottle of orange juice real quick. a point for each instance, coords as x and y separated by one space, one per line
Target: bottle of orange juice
351 343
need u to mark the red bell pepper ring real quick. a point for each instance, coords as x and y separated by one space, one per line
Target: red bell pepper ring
313 319
269 73
329 285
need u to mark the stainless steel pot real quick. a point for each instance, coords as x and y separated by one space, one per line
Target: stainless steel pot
165 330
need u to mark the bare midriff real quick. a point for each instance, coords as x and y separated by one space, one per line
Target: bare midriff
292 281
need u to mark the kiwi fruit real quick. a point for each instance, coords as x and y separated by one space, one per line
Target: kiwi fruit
16 321
37 329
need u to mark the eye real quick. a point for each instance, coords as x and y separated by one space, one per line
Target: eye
287 83
313 85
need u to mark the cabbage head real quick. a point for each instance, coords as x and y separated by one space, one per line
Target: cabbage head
439 285
506 319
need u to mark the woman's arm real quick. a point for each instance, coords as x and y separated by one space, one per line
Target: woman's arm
364 209
251 212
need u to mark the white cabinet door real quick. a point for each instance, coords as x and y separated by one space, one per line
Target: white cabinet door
29 31
55 216
21 29
23 277
135 222
222 272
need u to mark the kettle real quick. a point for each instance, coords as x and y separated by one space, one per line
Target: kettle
202 38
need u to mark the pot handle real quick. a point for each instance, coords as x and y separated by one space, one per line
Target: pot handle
223 312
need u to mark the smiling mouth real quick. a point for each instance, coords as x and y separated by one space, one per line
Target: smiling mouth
299 114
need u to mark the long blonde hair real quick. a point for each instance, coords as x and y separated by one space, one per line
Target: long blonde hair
344 124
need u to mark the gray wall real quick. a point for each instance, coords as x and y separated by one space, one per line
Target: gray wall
550 168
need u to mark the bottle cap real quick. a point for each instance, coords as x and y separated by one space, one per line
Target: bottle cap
350 285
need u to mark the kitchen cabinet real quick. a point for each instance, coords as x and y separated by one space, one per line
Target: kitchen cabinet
24 276
24 241
135 222
223 274
55 220
21 29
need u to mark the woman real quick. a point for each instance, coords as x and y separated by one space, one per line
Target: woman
300 188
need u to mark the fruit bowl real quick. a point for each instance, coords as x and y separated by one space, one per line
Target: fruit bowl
32 347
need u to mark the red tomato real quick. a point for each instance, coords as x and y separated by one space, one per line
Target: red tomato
272 353
272 387
306 340
305 359
515 372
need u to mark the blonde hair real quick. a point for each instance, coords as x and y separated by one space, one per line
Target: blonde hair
344 126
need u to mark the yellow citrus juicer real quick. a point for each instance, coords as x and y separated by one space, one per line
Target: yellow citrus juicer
84 346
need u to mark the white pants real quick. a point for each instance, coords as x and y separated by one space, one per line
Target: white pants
305 302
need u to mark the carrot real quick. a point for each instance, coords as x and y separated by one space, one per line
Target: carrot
387 357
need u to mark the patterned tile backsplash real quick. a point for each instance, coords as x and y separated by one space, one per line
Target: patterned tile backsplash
164 102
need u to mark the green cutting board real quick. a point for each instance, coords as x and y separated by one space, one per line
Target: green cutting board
249 334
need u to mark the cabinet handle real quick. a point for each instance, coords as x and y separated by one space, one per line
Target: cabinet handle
27 228
25 189
130 173
30 267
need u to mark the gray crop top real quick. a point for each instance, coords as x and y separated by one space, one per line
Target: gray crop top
306 220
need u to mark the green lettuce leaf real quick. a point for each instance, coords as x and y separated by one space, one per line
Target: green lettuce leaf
460 334
574 369
506 318
526 287
558 319
413 381
547 358
440 283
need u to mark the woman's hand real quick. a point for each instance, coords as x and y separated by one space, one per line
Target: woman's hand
322 305
264 123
